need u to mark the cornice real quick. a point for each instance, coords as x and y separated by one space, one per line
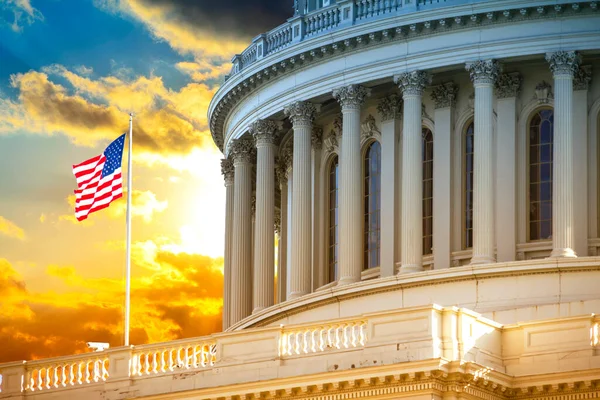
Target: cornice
457 19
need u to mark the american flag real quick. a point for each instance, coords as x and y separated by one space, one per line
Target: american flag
99 180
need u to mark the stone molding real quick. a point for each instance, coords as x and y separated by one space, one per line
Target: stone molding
444 95
242 150
564 62
264 132
368 128
412 83
508 85
304 58
582 78
316 137
301 112
351 96
484 71
227 170
390 107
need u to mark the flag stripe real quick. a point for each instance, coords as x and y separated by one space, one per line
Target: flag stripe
99 180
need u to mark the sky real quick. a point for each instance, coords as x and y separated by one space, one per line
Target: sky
70 73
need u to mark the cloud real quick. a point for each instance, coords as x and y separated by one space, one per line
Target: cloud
166 122
10 229
144 205
21 12
181 297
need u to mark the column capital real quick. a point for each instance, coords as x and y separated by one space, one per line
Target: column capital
444 95
301 112
264 131
316 137
484 71
227 170
390 107
508 85
351 96
582 78
412 83
242 150
564 62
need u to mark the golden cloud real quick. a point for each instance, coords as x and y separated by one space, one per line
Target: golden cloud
10 229
182 297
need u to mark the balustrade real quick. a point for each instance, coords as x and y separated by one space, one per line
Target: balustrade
147 361
45 376
323 338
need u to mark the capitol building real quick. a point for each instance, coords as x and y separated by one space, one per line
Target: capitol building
412 212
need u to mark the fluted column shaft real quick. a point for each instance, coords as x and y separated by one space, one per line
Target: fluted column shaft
241 282
483 74
412 85
302 115
563 65
227 170
264 237
351 99
390 109
283 248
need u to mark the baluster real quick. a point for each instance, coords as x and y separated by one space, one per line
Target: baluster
55 375
29 384
363 327
337 337
346 336
48 377
40 378
105 369
96 366
80 375
313 346
283 345
297 344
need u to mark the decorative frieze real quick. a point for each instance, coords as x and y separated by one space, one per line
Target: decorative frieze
484 71
564 62
227 170
369 128
316 137
412 83
264 131
390 107
543 92
301 112
582 78
508 85
242 150
351 96
444 95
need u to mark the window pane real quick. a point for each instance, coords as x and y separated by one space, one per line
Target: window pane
540 174
333 218
372 202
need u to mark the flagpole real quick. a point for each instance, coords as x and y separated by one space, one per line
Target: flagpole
128 237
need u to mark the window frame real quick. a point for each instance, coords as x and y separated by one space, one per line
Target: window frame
463 209
423 129
364 151
333 158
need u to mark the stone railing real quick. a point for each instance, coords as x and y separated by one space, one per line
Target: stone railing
341 15
247 356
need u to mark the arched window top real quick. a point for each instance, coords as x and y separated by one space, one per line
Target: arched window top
372 205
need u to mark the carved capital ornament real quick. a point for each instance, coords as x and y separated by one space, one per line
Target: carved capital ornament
264 131
227 170
352 96
508 85
242 150
582 78
316 137
563 63
444 95
412 83
484 71
390 107
301 112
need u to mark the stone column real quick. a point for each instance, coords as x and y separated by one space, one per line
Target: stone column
412 85
317 201
283 249
390 109
241 282
563 64
302 115
483 74
350 264
289 243
227 171
507 90
444 97
581 188
264 132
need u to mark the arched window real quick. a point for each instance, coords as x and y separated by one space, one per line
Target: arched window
468 188
372 230
427 191
541 139
334 235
